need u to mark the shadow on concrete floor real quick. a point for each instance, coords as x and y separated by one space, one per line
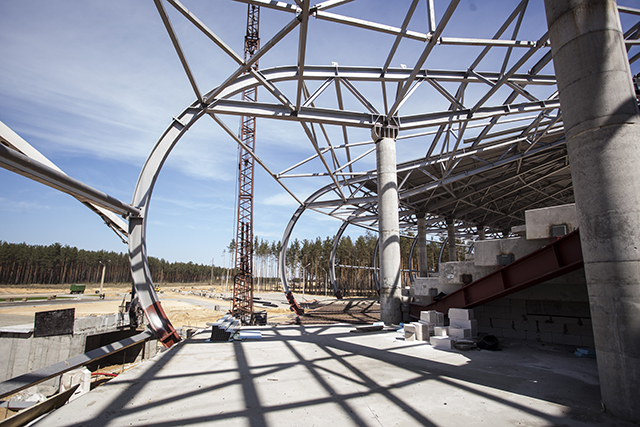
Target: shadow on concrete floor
325 375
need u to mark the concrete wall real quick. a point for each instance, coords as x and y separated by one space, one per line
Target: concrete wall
554 312
420 289
487 251
539 221
451 273
22 352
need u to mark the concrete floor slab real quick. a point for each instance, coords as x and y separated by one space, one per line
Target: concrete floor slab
324 375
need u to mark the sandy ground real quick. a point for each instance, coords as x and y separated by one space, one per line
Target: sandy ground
181 308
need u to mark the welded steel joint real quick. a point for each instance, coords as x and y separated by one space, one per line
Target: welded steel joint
384 130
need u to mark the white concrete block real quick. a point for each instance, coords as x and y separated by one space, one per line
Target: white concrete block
441 331
460 313
459 333
409 332
430 316
464 324
422 331
442 342
80 376
430 325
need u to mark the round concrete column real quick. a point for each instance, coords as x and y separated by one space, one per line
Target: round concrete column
602 127
451 230
422 245
389 228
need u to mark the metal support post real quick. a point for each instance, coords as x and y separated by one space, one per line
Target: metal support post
388 223
602 126
451 232
422 245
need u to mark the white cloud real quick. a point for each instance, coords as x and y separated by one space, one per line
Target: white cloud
280 199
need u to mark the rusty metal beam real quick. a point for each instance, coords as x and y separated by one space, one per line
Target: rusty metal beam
553 260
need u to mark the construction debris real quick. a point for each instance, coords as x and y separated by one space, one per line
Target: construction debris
224 329
355 311
378 326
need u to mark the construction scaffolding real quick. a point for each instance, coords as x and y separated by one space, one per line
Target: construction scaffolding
243 277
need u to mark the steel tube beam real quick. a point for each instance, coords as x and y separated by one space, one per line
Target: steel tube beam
371 74
410 260
602 122
376 270
367 120
23 165
14 141
142 282
176 44
451 235
423 57
332 259
422 245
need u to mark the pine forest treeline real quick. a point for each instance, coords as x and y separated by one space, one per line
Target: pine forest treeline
22 264
307 265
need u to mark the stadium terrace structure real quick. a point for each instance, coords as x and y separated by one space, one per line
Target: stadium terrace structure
436 133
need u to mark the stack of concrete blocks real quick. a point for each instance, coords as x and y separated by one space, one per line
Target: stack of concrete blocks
424 328
462 324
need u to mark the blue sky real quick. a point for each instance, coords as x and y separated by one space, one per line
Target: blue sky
93 85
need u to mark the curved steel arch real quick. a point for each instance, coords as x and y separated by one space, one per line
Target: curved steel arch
478 162
461 159
142 282
412 278
376 277
332 258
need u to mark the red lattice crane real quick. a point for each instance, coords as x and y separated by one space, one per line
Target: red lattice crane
243 277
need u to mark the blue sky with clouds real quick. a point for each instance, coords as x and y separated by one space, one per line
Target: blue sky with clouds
93 85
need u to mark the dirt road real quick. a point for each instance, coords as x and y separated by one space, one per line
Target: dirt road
182 307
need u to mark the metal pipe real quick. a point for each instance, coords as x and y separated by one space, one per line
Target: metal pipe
14 161
332 259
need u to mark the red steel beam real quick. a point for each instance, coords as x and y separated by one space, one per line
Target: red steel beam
556 259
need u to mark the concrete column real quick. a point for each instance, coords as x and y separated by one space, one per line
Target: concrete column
389 228
422 245
451 230
481 235
602 127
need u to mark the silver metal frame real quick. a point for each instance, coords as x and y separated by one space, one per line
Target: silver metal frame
483 160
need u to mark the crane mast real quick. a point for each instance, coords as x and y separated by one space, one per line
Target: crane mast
243 277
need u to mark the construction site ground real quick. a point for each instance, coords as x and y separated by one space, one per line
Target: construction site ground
183 304
319 375
310 370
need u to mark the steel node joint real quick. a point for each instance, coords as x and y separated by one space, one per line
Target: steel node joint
384 130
